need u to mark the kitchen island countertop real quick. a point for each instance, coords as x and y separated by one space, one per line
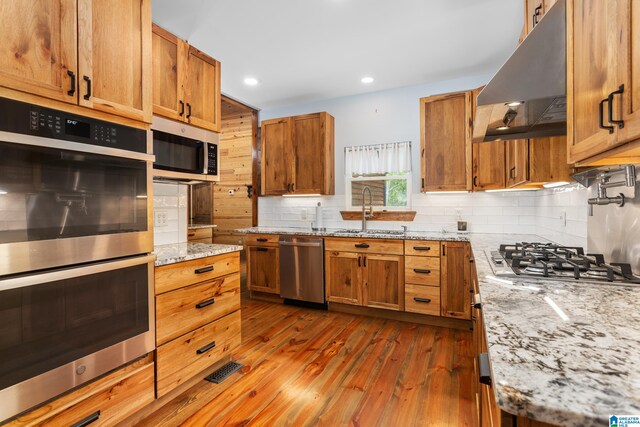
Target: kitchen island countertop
179 252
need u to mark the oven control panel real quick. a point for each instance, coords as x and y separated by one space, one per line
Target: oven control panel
29 119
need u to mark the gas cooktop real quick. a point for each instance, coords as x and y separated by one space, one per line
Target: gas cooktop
548 260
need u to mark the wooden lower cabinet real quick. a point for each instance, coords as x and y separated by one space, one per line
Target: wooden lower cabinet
197 319
383 281
263 269
455 280
200 235
343 276
108 400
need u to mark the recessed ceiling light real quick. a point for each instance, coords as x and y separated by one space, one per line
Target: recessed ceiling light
514 103
367 80
251 81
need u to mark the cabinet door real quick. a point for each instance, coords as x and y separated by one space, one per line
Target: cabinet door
203 101
534 9
517 160
38 49
308 135
383 281
446 147
169 63
263 269
455 280
629 24
488 165
277 157
548 160
114 57
343 277
594 70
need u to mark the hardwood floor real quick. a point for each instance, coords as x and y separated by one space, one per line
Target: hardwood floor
308 367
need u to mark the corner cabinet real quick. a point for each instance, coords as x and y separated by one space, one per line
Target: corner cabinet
298 155
603 71
84 52
489 165
186 82
445 142
532 162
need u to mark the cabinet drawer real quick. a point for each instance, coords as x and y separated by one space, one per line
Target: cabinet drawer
174 276
185 309
261 240
179 360
372 246
422 299
108 400
422 270
422 248
200 234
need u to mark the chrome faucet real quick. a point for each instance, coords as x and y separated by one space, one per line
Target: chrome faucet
366 215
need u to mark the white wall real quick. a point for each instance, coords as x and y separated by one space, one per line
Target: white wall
170 199
393 115
377 117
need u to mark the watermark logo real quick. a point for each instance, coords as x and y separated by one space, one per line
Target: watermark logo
624 421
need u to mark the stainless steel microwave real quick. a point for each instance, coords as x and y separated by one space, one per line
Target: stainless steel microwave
184 152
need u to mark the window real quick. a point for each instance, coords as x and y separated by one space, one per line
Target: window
385 169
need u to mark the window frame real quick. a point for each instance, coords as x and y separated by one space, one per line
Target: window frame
348 193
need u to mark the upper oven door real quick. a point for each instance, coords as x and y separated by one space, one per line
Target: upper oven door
64 203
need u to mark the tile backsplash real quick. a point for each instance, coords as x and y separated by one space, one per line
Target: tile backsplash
170 213
539 212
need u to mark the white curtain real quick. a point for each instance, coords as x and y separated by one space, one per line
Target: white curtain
378 159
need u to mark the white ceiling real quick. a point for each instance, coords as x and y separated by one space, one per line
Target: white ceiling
307 50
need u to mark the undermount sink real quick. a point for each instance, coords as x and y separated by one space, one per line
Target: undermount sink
352 231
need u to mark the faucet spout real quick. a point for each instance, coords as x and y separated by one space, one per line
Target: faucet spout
366 215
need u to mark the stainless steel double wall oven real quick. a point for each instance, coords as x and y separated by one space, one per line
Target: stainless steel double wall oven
76 274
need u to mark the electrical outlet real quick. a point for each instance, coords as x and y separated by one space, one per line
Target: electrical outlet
161 218
303 213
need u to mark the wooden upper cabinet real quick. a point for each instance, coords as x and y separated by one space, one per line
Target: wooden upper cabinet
383 281
547 160
168 74
517 162
114 57
186 82
446 148
455 280
38 53
298 155
598 55
488 165
277 174
203 82
534 11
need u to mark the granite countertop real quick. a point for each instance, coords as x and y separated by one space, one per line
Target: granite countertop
377 234
178 252
565 353
197 226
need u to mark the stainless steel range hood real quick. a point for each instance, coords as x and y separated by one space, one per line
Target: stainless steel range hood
527 96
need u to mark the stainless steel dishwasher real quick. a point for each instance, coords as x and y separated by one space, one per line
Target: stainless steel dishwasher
302 269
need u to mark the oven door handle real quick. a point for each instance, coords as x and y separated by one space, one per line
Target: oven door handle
69 273
39 141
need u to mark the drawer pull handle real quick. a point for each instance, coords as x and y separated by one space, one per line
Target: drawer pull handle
206 348
203 270
421 248
484 369
262 249
262 239
418 270
206 303
424 300
86 421
361 245
191 234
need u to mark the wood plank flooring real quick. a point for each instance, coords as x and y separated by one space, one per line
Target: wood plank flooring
308 367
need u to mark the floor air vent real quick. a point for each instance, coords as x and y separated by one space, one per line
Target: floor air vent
224 372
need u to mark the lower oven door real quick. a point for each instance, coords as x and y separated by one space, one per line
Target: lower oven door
62 328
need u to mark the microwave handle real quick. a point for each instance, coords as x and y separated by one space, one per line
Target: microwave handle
201 157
